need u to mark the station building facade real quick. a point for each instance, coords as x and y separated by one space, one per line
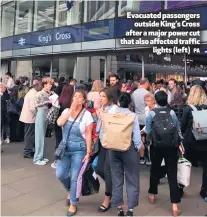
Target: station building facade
82 39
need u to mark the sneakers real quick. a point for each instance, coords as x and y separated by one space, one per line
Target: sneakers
142 161
54 164
45 160
148 163
203 194
40 163
7 140
129 213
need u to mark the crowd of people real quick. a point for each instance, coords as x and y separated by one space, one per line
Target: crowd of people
75 113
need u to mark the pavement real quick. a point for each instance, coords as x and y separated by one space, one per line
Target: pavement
31 190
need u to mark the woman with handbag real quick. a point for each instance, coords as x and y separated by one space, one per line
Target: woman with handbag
75 147
103 168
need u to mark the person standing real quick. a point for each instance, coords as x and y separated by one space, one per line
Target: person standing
5 128
115 87
172 88
103 164
77 125
27 116
138 102
196 149
65 93
121 164
41 103
9 81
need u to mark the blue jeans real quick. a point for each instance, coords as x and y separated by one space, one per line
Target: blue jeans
40 130
67 171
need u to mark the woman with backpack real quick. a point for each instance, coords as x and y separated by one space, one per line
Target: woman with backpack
103 168
122 162
196 102
164 127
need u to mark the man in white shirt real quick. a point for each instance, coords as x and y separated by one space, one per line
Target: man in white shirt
9 81
27 116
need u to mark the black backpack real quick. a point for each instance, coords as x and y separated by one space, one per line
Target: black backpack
164 133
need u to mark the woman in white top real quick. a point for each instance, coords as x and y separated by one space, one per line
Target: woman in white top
77 125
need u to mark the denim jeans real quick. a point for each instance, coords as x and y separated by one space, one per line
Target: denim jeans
40 130
67 171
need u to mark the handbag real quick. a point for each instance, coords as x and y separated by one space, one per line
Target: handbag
184 172
90 182
12 107
60 151
53 114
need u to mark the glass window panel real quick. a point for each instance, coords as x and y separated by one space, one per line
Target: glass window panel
8 15
98 10
68 13
136 6
180 4
44 15
24 16
41 67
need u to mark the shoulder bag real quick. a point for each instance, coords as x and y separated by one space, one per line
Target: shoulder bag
60 151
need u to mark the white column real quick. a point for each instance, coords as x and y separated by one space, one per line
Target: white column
51 69
142 66
185 73
165 4
29 25
35 15
105 70
17 18
57 13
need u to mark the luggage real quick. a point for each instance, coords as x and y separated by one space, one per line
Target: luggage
199 123
117 130
184 171
164 133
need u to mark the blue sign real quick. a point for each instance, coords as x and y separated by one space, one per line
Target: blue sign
67 35
22 41
199 10
6 43
44 38
98 30
125 24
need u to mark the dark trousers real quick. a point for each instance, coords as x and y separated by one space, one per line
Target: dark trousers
170 156
122 164
58 135
16 128
104 169
29 138
203 156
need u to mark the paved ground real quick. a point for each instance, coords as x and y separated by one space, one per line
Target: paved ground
27 189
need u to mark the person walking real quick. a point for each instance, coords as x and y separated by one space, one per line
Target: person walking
77 125
164 126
